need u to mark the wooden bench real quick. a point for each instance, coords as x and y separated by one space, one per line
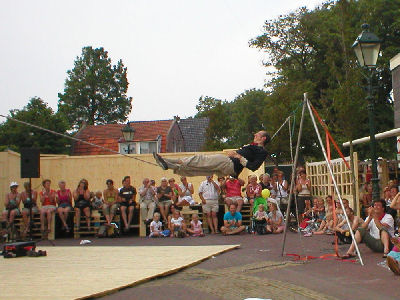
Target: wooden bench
36 229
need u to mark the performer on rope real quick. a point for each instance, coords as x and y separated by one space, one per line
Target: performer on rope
249 156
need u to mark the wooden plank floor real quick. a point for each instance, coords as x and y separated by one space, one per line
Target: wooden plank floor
85 271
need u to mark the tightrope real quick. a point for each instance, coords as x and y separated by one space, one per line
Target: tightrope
76 139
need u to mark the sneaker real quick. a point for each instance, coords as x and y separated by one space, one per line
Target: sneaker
160 161
393 265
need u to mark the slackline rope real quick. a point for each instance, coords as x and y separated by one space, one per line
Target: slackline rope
75 139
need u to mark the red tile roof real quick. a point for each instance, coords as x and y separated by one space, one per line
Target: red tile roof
108 136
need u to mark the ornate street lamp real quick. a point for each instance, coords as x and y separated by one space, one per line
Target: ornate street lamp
366 47
128 132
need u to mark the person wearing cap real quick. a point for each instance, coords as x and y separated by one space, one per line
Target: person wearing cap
164 196
249 156
29 199
11 204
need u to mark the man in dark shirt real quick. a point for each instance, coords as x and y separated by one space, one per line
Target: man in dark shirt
127 195
249 156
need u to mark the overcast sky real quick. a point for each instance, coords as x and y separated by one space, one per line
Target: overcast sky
175 51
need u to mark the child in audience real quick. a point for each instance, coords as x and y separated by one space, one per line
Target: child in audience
178 226
156 226
261 219
195 226
98 200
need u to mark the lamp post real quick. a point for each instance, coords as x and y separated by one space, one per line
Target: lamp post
128 132
366 48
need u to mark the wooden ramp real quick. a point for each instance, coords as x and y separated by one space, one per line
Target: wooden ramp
88 271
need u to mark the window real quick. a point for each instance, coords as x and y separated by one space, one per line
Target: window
148 147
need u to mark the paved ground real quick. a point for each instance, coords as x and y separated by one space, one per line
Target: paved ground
258 270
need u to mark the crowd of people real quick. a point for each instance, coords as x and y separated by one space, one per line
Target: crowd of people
160 206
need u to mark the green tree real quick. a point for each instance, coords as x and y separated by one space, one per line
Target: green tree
15 135
95 90
218 128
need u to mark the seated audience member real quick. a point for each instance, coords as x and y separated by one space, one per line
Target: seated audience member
110 201
208 193
232 222
266 182
253 189
175 190
273 183
343 230
178 226
393 257
156 226
319 209
276 223
233 193
48 200
82 203
147 201
260 220
11 204
97 200
28 203
127 196
222 192
164 195
64 202
327 225
376 231
186 191
171 211
195 226
393 192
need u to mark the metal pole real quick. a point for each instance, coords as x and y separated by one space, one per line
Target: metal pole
353 185
334 182
294 173
371 118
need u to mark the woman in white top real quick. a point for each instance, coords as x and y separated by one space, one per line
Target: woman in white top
186 192
276 223
303 188
281 190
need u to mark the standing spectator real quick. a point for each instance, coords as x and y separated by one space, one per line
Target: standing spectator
253 189
233 192
303 188
111 201
164 195
48 200
128 203
232 221
185 193
222 192
366 200
82 203
281 191
376 231
29 199
11 204
64 201
146 201
209 192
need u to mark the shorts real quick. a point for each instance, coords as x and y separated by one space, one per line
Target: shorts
35 210
188 199
127 204
234 199
48 207
17 212
210 206
374 244
395 255
107 209
165 202
82 204
64 205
